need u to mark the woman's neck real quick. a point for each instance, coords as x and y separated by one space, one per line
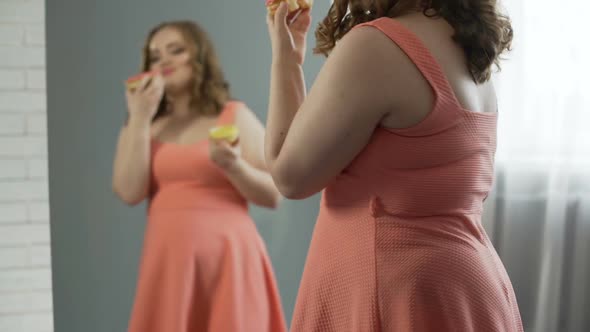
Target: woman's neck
179 105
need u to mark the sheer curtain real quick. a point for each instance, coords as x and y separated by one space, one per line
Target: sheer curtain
538 214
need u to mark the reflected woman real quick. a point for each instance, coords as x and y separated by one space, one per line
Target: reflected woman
204 266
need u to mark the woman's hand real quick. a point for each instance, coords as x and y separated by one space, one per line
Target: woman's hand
288 38
143 101
224 154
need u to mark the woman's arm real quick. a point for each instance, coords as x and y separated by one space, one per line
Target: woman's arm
132 162
131 169
312 139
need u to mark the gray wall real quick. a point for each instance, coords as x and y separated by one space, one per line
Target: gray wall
92 46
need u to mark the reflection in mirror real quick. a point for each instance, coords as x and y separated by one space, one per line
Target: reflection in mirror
193 203
197 156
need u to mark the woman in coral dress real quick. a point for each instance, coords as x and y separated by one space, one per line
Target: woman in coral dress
399 131
204 266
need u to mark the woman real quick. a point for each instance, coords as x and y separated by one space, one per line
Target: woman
204 266
399 128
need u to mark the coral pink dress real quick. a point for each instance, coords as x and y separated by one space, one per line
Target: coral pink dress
204 266
398 245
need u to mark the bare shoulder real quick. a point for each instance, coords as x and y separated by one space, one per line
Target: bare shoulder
378 68
437 36
367 62
366 45
245 118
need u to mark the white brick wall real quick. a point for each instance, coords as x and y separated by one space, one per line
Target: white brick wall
25 255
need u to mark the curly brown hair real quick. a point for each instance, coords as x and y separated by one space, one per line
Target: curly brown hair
210 90
481 29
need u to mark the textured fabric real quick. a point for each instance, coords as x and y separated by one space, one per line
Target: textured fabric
398 244
204 266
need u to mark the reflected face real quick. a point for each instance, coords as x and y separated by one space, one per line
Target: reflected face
171 55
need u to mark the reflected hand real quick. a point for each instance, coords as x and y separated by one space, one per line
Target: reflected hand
223 154
144 100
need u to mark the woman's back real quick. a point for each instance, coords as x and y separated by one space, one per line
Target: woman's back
399 245
418 98
440 162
